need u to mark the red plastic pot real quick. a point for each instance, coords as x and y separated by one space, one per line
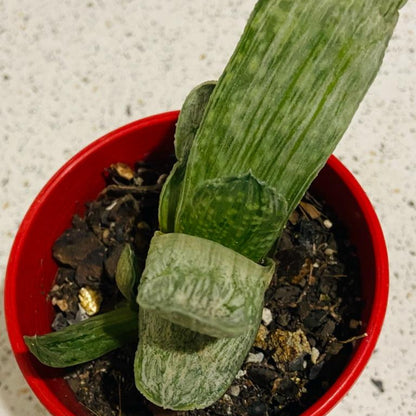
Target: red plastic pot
31 269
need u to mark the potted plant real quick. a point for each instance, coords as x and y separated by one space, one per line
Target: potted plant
333 71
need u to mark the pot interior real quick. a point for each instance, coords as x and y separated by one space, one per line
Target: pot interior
31 269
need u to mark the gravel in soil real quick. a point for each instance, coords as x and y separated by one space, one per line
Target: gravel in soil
311 315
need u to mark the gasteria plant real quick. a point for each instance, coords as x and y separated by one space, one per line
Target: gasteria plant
248 147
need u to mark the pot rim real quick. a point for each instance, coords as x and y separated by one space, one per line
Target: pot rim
344 381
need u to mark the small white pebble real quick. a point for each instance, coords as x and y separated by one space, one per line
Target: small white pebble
255 358
267 316
316 265
327 223
304 364
234 391
81 314
314 355
241 373
329 251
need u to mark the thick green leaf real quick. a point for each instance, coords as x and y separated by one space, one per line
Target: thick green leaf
280 107
250 214
188 122
203 285
86 340
181 369
127 273
287 95
190 118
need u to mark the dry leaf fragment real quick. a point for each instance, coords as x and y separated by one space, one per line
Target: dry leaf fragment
310 210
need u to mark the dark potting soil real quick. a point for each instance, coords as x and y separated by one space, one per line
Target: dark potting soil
311 315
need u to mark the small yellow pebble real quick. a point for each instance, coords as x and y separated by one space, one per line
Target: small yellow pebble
125 171
288 345
90 300
61 303
260 341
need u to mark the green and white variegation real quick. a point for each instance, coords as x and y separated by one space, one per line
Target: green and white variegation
280 107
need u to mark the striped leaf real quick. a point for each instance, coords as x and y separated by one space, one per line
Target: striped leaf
188 122
282 104
86 340
203 285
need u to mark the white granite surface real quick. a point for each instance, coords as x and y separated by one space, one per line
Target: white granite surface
71 71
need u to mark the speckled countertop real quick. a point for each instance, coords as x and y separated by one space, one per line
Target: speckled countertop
72 71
